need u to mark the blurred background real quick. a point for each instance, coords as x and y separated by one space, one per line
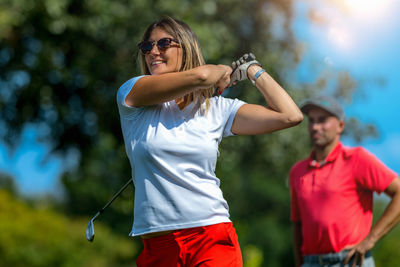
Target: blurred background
62 155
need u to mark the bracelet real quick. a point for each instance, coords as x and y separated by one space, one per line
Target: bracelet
257 75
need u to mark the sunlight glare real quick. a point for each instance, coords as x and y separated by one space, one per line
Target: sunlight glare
368 8
340 36
348 24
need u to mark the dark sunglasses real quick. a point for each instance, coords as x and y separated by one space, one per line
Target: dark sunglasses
162 44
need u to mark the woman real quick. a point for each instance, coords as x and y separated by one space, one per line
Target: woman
172 126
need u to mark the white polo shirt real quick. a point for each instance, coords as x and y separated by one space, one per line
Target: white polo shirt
173 154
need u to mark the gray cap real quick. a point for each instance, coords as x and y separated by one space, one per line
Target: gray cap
326 103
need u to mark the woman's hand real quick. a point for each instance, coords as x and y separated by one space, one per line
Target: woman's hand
241 67
225 80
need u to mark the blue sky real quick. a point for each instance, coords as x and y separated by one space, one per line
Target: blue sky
27 164
365 40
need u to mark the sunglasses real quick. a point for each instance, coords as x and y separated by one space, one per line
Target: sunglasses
162 44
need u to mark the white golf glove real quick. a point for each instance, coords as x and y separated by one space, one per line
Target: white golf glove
240 67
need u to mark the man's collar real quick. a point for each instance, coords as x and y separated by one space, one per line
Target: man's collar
332 156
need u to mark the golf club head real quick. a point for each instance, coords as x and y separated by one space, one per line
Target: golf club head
90 226
90 231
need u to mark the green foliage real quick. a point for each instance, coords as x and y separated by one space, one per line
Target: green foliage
37 236
386 250
7 183
254 257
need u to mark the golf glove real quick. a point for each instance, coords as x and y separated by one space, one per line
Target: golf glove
240 67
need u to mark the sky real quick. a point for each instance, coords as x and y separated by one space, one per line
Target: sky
364 40
34 174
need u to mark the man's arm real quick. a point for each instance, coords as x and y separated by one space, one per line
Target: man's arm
297 241
389 219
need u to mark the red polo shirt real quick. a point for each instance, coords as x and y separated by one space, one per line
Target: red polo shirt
333 200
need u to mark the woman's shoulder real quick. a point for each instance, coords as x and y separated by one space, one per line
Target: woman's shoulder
130 82
126 87
123 91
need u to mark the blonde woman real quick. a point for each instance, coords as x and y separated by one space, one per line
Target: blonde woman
172 126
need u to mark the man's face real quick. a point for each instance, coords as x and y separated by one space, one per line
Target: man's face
323 127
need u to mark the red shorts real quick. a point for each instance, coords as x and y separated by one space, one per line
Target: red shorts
207 246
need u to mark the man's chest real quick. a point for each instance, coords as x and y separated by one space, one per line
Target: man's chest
326 181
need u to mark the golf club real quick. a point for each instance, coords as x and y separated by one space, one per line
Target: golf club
90 226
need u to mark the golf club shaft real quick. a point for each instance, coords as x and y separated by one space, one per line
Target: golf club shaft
113 198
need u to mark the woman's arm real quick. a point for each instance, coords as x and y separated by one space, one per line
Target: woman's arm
281 112
155 89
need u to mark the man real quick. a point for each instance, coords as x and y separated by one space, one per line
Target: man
332 195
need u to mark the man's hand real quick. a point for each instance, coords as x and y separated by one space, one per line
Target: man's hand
385 223
358 251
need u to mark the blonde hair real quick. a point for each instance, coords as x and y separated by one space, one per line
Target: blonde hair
191 54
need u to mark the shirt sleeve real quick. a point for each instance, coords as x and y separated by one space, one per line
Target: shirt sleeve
122 92
371 173
229 107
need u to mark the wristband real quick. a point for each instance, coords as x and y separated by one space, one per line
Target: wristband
258 73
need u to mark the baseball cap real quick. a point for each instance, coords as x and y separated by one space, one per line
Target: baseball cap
326 103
